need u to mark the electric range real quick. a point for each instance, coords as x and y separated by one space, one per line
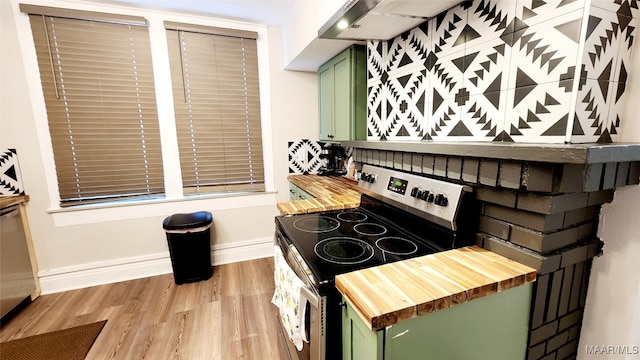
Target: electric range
400 216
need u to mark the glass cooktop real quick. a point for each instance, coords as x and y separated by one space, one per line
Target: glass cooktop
339 241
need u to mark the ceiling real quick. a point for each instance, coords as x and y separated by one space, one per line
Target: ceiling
269 12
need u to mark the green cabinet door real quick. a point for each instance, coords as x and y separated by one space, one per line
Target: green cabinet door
342 97
358 342
493 327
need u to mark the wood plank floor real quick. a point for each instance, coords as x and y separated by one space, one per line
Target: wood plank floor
229 316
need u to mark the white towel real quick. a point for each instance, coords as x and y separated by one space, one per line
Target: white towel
287 298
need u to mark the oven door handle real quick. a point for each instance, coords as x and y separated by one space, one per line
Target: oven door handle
310 296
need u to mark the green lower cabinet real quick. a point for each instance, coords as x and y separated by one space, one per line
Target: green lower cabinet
296 193
493 327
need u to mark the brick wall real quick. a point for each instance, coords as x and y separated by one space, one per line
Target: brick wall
543 215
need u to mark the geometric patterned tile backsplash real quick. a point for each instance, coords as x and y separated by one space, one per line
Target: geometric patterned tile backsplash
304 156
10 177
550 71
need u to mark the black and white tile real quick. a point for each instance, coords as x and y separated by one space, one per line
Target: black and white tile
304 156
10 177
505 70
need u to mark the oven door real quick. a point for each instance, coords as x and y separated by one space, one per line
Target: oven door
313 344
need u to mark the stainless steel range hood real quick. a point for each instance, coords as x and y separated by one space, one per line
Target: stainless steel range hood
380 19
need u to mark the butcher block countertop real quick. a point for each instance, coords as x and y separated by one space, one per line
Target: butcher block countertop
6 201
330 193
388 294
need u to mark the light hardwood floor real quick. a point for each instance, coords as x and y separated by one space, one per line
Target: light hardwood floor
229 316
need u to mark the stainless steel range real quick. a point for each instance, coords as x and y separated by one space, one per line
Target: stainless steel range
400 216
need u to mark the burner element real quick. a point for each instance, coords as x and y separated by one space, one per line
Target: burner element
396 245
316 224
352 216
344 250
370 229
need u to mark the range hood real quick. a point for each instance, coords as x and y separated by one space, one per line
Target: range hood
380 19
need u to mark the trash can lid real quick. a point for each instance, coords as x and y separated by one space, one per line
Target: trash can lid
186 221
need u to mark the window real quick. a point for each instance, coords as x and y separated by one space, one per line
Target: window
97 80
214 74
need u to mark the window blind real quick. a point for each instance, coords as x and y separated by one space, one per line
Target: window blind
217 106
99 93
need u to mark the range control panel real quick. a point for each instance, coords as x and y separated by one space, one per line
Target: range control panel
432 199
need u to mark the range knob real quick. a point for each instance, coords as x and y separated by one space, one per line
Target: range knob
414 192
425 195
371 178
441 200
430 197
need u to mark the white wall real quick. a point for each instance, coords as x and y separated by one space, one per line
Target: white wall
612 312
76 249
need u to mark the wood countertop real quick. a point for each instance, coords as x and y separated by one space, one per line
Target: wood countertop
330 193
388 294
6 201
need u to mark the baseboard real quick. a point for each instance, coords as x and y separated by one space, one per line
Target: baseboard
107 272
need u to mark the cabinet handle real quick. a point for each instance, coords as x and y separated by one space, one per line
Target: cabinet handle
330 136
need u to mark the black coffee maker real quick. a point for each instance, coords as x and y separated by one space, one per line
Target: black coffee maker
333 156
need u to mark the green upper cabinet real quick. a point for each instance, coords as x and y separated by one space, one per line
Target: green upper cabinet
342 92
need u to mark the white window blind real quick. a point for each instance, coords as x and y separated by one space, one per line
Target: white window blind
217 104
97 80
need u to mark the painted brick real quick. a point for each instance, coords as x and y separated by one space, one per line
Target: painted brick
575 217
357 155
539 177
541 242
427 164
622 174
551 204
510 174
585 283
454 168
440 166
595 249
569 320
575 255
554 295
494 227
634 173
592 177
565 292
489 172
539 300
609 179
543 333
375 157
574 301
389 158
470 169
568 351
531 220
407 161
496 196
551 356
600 197
416 163
557 341
536 352
397 160
573 178
543 264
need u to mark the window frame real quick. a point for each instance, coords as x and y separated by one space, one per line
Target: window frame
103 212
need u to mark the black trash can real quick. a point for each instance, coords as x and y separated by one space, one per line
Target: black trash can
189 238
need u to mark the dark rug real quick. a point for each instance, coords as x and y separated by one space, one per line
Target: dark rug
68 344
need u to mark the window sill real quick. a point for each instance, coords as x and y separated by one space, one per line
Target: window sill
129 210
